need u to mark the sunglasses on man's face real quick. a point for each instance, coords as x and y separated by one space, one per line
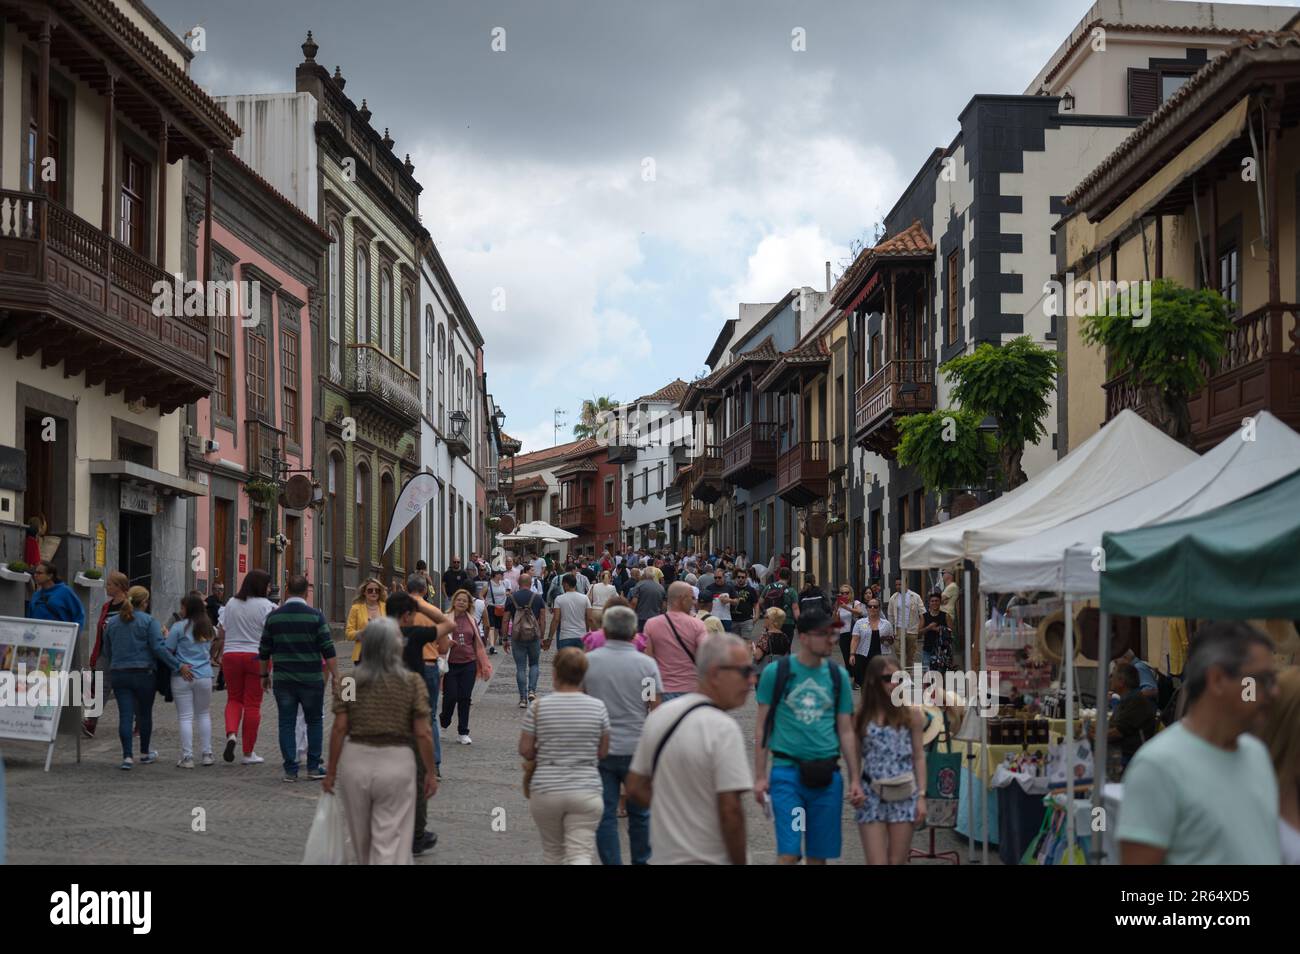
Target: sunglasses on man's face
746 671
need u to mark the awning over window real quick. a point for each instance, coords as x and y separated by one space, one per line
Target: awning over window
163 483
1191 160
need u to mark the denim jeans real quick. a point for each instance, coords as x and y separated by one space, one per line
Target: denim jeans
570 643
613 770
433 679
458 686
135 693
527 665
288 697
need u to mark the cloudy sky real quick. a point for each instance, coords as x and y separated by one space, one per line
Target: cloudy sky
628 171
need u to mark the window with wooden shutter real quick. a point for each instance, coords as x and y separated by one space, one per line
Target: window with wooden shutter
1143 92
223 403
255 349
289 378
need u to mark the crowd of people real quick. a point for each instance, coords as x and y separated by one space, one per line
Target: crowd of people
653 654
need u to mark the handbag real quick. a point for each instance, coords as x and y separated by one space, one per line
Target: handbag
896 788
943 772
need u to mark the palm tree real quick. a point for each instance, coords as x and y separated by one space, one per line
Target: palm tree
593 413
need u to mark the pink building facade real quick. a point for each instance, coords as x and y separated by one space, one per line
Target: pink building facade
254 433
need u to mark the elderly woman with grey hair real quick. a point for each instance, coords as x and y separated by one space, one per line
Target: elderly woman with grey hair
371 754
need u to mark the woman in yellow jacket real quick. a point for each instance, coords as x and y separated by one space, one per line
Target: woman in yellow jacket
368 606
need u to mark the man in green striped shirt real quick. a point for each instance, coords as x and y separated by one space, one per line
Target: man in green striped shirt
296 646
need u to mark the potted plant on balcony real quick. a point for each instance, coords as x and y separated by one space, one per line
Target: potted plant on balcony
1166 351
15 572
493 523
91 578
816 523
260 491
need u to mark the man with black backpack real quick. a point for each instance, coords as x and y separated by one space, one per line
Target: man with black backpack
781 595
524 609
804 718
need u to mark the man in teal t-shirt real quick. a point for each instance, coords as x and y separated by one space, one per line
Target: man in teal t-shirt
1203 791
812 724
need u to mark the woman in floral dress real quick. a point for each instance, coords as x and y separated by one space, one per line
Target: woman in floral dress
890 736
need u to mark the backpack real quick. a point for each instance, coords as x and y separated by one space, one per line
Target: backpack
782 684
524 627
774 596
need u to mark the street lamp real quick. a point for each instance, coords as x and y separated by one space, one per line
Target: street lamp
459 420
500 418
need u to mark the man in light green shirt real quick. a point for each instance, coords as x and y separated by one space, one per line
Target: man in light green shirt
1203 791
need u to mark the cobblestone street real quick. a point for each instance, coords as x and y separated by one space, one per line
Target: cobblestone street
93 813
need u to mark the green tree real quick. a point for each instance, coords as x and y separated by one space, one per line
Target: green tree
1167 351
594 412
1012 383
946 448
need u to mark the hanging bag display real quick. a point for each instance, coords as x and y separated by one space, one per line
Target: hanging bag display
943 775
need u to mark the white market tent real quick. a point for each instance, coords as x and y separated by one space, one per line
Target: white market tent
539 530
1126 454
1061 559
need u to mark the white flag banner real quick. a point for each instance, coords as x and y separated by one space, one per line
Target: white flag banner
415 496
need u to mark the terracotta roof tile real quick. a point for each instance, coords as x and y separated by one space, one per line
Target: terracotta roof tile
811 354
529 484
912 242
673 391
546 454
580 466
1285 41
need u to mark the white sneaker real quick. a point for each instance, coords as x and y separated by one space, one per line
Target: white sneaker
464 740
208 759
186 762
252 758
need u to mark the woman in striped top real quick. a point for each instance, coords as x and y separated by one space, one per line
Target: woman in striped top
566 734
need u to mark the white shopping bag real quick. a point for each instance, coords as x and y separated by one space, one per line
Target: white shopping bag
480 690
325 841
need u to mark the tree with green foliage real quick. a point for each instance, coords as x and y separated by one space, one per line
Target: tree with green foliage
1167 350
1013 384
595 410
946 447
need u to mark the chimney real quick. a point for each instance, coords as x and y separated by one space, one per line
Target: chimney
828 276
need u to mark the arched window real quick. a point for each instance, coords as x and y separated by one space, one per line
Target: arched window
442 377
386 312
335 320
460 384
362 280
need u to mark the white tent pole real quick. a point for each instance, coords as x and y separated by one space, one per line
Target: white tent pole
1103 719
969 621
984 756
1069 725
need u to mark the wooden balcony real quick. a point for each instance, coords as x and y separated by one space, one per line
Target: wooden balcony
265 447
1260 370
749 455
83 299
379 381
577 519
706 475
900 388
801 473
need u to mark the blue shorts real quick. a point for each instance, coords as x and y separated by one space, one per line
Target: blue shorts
805 815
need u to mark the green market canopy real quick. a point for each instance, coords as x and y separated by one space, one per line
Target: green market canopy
1238 561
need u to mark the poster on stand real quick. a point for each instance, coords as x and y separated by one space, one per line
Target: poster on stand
35 656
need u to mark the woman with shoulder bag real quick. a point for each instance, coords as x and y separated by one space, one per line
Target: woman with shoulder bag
893 767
